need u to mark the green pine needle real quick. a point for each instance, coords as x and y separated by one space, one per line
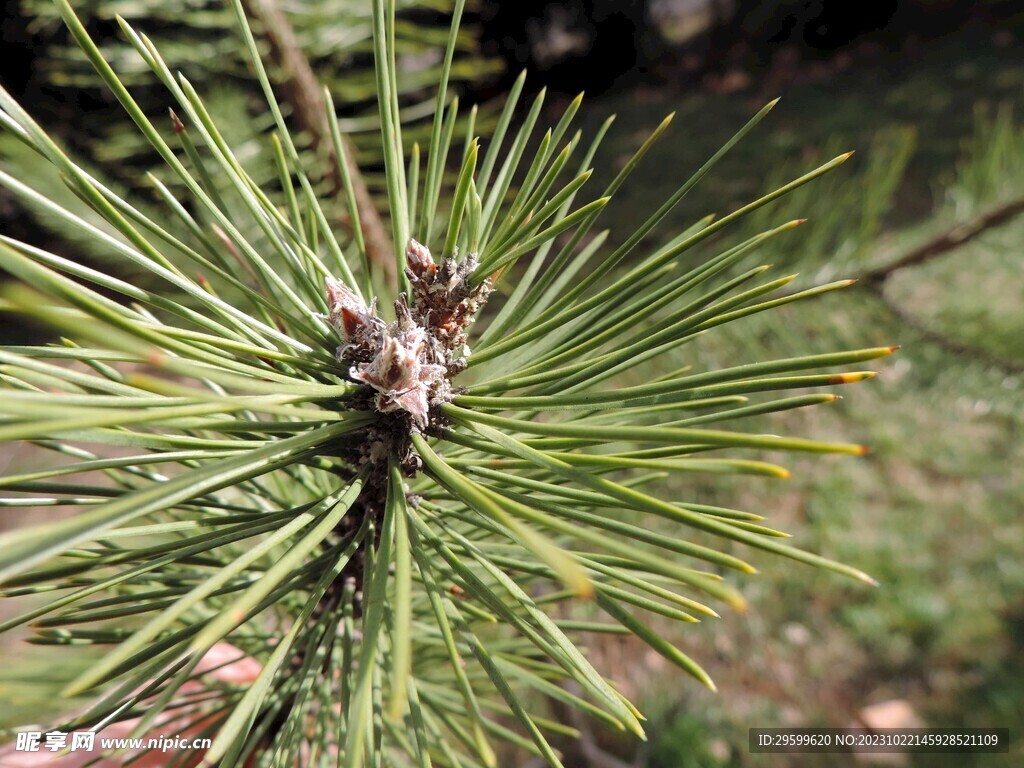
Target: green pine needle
405 512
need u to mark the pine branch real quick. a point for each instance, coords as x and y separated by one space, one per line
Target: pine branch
303 93
952 345
948 241
311 483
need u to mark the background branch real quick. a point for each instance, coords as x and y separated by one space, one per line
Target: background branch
949 241
950 344
302 91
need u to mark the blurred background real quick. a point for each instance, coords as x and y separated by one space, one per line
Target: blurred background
929 215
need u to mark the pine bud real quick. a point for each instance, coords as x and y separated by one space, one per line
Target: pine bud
419 260
349 315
